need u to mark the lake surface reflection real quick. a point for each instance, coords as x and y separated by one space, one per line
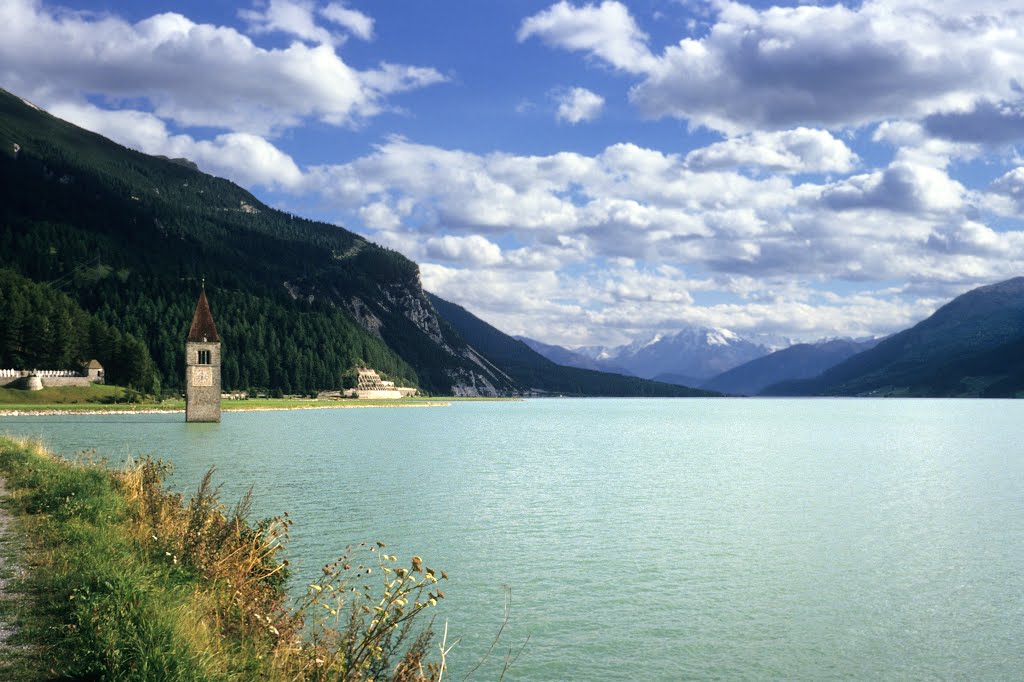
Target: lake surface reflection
653 539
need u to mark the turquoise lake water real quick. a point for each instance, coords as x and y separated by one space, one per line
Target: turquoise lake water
653 539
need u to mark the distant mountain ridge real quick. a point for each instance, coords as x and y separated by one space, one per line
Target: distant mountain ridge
699 352
972 346
687 357
569 358
799 361
529 368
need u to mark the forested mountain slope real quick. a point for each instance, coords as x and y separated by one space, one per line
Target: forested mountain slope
800 361
41 328
130 236
972 346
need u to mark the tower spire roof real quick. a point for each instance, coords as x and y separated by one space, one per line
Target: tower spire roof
203 328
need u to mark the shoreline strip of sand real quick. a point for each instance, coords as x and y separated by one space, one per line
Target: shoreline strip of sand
56 412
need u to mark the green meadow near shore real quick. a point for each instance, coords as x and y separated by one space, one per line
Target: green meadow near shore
127 581
99 398
63 396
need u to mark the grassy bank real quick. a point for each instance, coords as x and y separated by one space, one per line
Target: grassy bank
127 581
93 394
99 398
312 403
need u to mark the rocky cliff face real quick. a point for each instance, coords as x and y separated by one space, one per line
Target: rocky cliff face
399 313
474 375
408 298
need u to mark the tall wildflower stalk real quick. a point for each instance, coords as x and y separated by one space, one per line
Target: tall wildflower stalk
215 582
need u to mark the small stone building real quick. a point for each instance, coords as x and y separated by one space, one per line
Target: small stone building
94 370
202 366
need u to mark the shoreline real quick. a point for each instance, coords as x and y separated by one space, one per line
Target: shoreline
57 412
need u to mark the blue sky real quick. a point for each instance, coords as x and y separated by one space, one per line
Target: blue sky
589 173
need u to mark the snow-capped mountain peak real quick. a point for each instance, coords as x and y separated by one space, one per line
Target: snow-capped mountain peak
686 355
720 337
654 340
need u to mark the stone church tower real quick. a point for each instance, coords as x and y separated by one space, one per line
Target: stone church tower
202 366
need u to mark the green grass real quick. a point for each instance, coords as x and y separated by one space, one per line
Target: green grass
91 407
62 395
127 582
299 403
94 398
91 602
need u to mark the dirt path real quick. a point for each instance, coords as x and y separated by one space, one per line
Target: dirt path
10 571
7 570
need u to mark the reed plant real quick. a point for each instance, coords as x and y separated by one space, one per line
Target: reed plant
133 582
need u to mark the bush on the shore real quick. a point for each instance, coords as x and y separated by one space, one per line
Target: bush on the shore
133 584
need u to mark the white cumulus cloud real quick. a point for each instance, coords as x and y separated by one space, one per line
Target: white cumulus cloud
195 74
900 187
472 249
567 210
293 17
359 24
801 150
576 105
606 30
816 66
299 18
247 159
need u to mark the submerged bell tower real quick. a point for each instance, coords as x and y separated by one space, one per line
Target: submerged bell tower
202 366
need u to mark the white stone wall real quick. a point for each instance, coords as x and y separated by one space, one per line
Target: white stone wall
9 376
49 377
379 395
50 382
